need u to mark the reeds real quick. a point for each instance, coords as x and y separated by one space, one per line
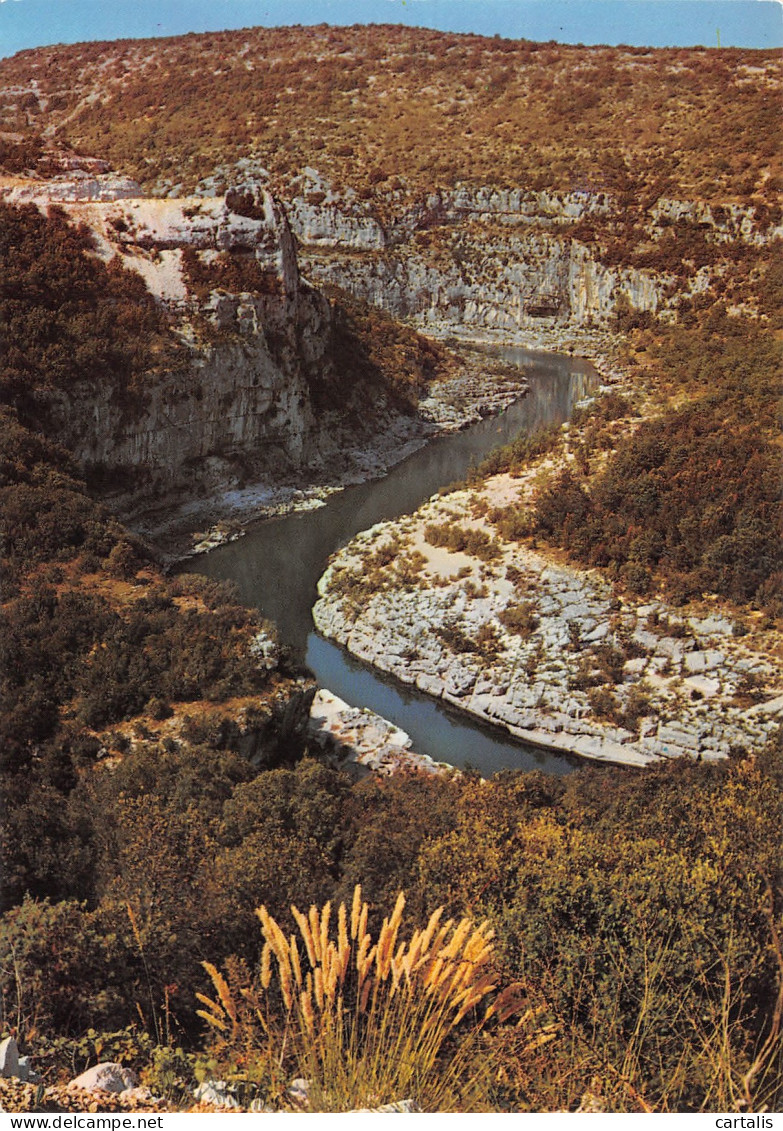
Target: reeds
369 1021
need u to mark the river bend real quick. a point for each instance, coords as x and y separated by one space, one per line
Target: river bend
277 564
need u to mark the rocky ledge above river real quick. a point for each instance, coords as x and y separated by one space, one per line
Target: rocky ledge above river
359 741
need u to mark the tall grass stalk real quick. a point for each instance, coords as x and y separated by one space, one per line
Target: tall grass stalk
370 1020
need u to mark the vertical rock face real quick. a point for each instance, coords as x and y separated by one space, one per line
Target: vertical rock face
509 284
481 260
231 399
505 260
241 399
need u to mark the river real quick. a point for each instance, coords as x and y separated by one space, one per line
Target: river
278 562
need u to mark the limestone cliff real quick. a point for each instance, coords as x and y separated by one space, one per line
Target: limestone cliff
481 260
259 392
262 393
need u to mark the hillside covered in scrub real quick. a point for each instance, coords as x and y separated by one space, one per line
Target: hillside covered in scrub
405 109
234 272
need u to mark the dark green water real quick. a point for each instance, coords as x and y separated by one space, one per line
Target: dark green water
277 564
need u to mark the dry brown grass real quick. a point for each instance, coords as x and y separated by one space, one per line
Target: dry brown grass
369 1020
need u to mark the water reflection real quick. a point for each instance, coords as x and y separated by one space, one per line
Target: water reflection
277 564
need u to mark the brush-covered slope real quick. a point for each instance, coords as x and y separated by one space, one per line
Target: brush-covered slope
408 109
462 182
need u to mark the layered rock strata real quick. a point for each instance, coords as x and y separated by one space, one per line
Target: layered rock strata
257 417
501 262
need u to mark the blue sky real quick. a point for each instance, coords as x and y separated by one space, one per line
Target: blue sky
654 23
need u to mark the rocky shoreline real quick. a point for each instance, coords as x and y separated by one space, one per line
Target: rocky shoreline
181 529
359 741
569 667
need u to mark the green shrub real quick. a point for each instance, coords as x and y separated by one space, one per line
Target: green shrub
520 619
461 539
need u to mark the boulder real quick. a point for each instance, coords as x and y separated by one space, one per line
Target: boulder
217 1093
703 685
599 633
298 1091
14 1066
460 681
711 626
429 684
106 1077
9 1058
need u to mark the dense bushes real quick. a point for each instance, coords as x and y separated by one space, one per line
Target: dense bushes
20 156
462 539
67 316
684 495
642 919
86 643
369 346
230 271
74 656
637 913
694 495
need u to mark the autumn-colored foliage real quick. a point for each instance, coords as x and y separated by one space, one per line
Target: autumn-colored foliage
379 107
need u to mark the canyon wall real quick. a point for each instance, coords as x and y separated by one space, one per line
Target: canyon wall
256 391
490 260
471 259
259 392
506 261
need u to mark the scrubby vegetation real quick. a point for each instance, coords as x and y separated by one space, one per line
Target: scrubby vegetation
693 495
367 344
400 109
68 317
458 538
637 918
235 272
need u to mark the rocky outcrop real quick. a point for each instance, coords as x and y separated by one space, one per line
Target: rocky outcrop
359 741
276 727
79 185
256 393
244 396
13 1066
107 1076
489 259
513 287
473 259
